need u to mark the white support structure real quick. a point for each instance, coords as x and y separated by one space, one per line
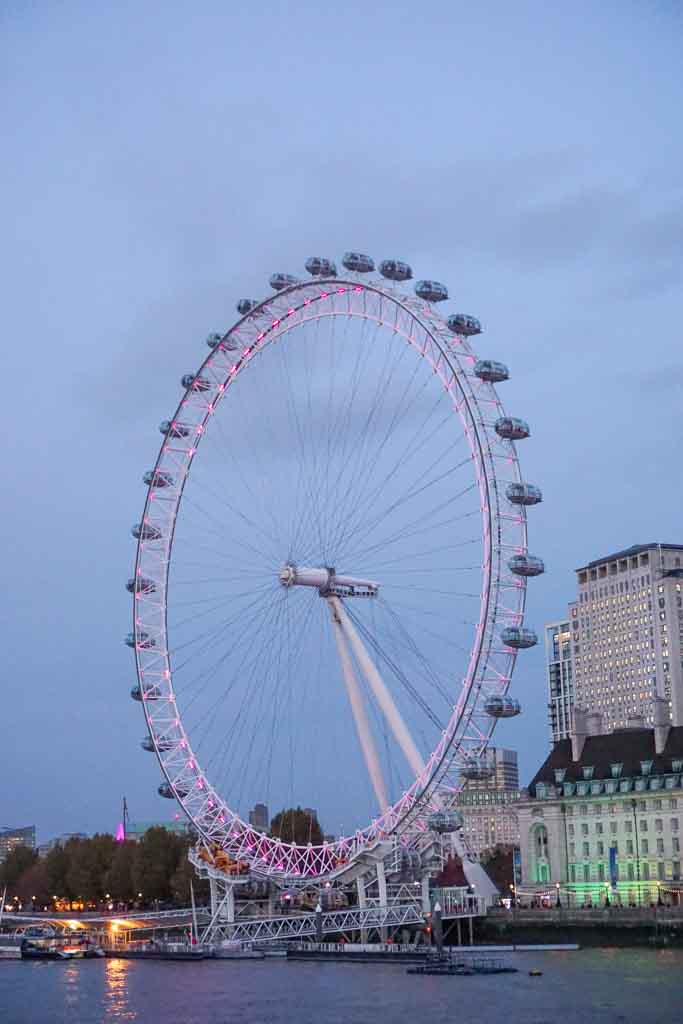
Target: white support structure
358 708
384 698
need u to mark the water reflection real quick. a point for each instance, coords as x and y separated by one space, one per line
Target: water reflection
116 990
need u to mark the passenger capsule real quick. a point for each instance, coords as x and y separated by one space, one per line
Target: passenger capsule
512 429
502 707
523 494
151 693
461 323
518 637
476 770
158 478
318 266
281 281
487 369
145 531
395 270
172 428
526 565
143 643
445 821
213 339
169 793
162 745
431 291
358 262
245 306
195 383
140 585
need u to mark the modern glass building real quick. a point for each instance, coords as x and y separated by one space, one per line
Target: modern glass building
10 838
560 678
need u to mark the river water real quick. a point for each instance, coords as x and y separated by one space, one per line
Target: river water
603 986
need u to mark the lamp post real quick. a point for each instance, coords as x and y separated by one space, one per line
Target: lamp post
607 899
558 901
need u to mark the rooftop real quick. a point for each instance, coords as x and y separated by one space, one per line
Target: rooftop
627 747
636 549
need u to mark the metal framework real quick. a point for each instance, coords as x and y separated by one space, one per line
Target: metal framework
503 524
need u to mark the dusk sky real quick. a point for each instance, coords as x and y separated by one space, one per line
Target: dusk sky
162 160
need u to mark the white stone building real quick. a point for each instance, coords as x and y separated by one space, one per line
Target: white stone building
604 814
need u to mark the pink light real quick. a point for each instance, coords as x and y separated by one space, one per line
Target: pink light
290 312
233 369
323 295
120 833
246 353
341 291
261 336
358 288
276 323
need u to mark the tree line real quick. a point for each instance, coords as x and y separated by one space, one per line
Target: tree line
100 870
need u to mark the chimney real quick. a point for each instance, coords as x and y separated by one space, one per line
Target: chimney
662 723
579 732
594 723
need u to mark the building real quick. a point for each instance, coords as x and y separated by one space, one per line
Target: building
489 817
560 677
604 811
259 817
626 631
135 830
10 838
489 805
62 840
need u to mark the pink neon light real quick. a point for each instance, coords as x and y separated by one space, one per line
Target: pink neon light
120 833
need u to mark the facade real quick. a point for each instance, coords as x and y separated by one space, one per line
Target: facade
626 639
489 807
135 830
560 677
45 848
259 817
604 814
489 817
10 838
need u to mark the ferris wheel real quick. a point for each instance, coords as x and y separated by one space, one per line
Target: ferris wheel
331 566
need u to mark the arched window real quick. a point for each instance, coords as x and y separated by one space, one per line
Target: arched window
539 852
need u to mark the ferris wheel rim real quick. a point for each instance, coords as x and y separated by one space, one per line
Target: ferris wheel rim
214 814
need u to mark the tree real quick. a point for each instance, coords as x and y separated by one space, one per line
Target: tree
294 825
156 859
56 868
17 861
32 887
498 865
180 883
119 880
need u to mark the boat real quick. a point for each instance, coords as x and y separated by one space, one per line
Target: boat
152 950
462 967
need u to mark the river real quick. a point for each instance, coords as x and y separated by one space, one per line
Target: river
592 986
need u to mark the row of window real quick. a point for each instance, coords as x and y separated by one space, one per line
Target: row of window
628 826
645 871
630 847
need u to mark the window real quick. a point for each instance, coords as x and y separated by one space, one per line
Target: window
658 805
676 844
659 824
631 873
642 825
676 869
646 872
586 873
588 772
616 769
613 825
570 829
601 872
660 846
584 829
601 849
586 850
559 775
674 824
644 846
572 849
628 826
572 873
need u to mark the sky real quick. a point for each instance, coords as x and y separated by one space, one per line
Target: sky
162 160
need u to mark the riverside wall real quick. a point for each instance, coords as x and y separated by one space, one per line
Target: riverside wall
605 926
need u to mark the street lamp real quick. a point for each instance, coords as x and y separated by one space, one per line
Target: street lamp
607 899
558 901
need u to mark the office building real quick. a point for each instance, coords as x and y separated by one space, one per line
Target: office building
259 817
626 630
602 820
489 805
560 677
62 840
135 830
10 838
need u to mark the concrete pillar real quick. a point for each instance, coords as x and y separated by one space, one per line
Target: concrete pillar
360 889
426 904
